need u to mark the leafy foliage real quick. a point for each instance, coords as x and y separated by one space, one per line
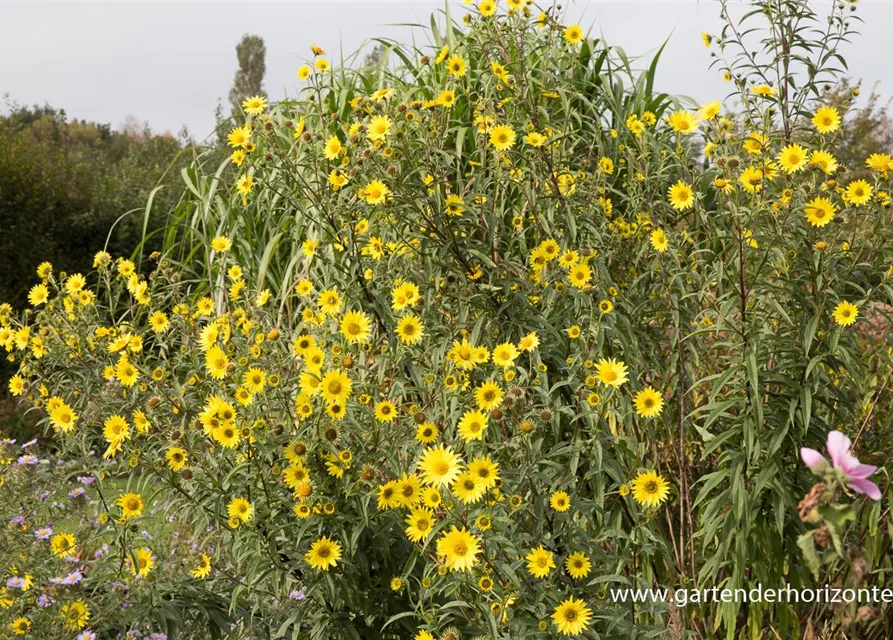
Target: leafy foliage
507 257
64 185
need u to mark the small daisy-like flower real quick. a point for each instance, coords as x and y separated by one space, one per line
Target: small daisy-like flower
845 313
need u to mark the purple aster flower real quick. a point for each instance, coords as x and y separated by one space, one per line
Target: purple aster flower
29 443
27 460
43 533
76 493
86 480
297 594
15 582
72 578
854 472
86 635
45 601
17 521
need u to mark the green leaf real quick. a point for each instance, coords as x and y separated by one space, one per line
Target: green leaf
807 547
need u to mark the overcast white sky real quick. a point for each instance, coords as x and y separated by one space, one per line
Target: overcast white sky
167 63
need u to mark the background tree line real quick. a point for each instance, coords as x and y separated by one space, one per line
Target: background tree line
66 185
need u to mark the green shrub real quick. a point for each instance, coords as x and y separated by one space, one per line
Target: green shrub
473 340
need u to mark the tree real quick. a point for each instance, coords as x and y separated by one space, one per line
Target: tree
64 183
251 53
375 56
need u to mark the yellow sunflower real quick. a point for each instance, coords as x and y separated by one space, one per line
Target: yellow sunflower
650 489
176 458
20 626
221 244
323 554
388 498
38 295
826 120
819 211
502 137
426 433
421 524
385 411
459 549
573 34
659 240
216 363
255 105
144 562
378 128
408 489
681 196
824 161
62 544
858 192
572 617
457 66
611 373
468 488
504 355
560 501
410 329
488 395
580 275
440 466
241 509
683 122
75 615
485 471
649 403
329 302
203 568
356 327
540 562
845 313
255 380
792 158
472 425
131 505
578 565
158 321
335 387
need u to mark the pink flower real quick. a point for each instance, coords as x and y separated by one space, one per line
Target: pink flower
856 473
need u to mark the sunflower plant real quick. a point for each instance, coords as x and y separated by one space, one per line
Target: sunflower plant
463 345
